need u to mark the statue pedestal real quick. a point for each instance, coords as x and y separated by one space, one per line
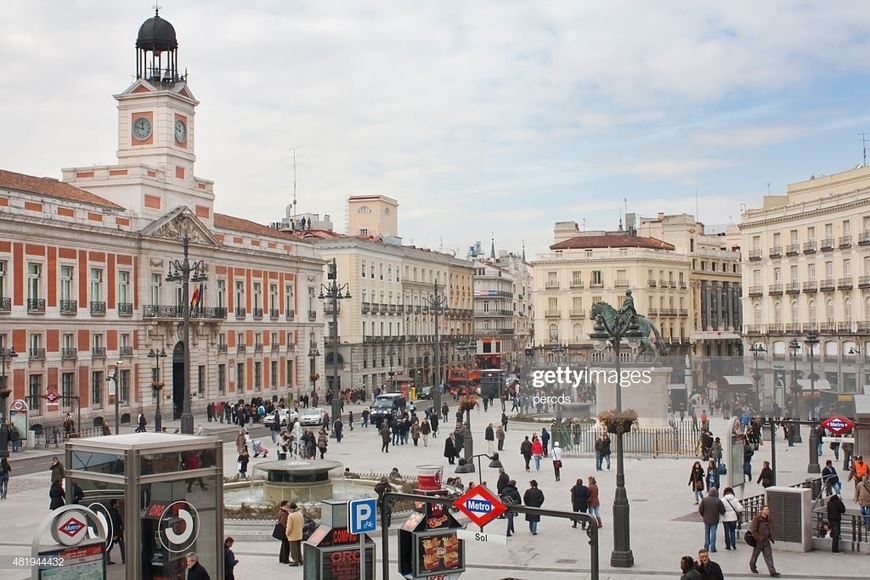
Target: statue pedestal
647 396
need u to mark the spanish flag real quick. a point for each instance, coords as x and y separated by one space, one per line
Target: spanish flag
197 296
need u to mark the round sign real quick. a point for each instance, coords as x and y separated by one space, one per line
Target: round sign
69 527
179 526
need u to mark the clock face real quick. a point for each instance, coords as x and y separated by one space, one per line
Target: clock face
142 128
180 131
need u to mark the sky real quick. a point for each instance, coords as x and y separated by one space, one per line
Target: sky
483 119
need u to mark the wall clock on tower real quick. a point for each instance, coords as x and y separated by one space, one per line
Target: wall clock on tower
142 128
180 131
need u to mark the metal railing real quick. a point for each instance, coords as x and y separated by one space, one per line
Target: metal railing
681 438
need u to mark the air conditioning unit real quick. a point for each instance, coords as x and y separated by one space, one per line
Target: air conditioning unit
791 512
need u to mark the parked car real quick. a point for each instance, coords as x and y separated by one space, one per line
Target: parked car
387 405
286 415
425 393
311 417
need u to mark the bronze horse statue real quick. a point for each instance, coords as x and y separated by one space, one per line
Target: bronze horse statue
608 314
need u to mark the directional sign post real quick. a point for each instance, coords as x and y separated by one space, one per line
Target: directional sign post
362 518
838 424
480 505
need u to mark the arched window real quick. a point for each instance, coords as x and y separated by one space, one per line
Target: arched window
554 333
812 309
777 313
364 209
847 309
578 333
829 310
757 313
795 312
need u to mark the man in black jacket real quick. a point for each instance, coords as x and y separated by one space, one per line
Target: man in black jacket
195 570
711 508
836 509
708 569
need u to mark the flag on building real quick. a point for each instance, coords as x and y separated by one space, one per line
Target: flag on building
197 296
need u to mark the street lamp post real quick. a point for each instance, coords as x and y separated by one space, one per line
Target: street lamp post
811 341
114 387
333 291
5 354
558 349
757 349
468 442
186 272
157 385
623 325
795 387
437 305
391 353
313 354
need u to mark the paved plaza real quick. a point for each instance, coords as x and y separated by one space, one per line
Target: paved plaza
662 507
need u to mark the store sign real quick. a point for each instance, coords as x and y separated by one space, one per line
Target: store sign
480 505
838 424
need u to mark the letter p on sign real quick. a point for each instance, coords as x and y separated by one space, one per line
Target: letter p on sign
362 515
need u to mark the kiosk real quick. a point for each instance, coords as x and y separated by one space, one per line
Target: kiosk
170 497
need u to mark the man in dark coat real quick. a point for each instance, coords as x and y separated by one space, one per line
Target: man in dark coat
195 570
836 509
526 451
450 449
761 529
708 569
503 480
489 435
533 497
580 500
711 508
117 533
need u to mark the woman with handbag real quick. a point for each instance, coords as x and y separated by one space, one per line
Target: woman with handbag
557 459
696 481
280 532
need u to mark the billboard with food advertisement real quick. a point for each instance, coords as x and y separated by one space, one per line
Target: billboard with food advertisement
438 552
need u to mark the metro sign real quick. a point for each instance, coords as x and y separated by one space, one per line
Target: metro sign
52 397
837 424
480 505
71 527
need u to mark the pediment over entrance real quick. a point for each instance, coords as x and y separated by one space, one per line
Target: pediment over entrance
173 226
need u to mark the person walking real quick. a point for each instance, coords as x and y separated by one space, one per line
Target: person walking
830 479
503 479
537 451
557 460
425 431
142 422
526 451
117 533
350 420
765 477
57 470
707 568
696 481
533 497
733 509
450 449
337 428
244 458
415 432
489 436
545 441
862 498
835 509
241 440
602 451
322 442
510 496
385 437
499 437
195 570
711 508
295 523
230 559
56 496
365 417
594 502
712 477
762 530
716 451
579 500
283 513
5 473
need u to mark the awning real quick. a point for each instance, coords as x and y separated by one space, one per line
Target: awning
821 385
732 383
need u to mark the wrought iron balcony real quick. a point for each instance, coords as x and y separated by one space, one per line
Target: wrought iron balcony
258 347
222 348
241 348
844 283
754 255
811 287
98 307
69 306
69 353
5 304
552 285
827 285
241 312
258 314
289 314
312 315
125 309
98 352
553 314
845 241
775 252
36 306
810 247
651 283
792 249
577 313
620 284
793 288
756 290
864 238
126 351
275 347
864 282
774 289
37 353
273 314
160 311
827 244
576 283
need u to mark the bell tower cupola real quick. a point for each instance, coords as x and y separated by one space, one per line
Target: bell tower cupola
157 51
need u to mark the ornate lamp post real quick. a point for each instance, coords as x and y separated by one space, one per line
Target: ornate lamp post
186 272
468 442
757 349
437 305
795 386
811 341
623 325
5 354
391 353
157 385
333 291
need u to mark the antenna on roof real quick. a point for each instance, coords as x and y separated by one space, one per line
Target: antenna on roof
864 147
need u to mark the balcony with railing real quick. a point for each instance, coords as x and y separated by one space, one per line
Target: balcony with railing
98 308
222 348
828 327
577 313
756 290
683 285
69 306
810 327
864 238
69 353
774 289
553 314
289 314
125 309
755 255
36 306
241 313
160 311
827 285
258 314
312 315
863 281
596 284
653 312
273 314
776 328
651 283
827 244
683 313
209 312
844 283
863 327
844 326
240 348
754 329
258 348
663 283
792 249
576 283
811 287
275 347
620 283
775 252
845 241
5 304
36 353
331 306
98 352
125 351
551 285
792 327
810 247
793 288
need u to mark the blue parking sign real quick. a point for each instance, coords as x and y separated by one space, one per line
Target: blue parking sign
363 515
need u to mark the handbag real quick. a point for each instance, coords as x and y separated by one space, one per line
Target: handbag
749 538
278 533
699 484
557 464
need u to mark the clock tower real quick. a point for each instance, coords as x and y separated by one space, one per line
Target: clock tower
155 114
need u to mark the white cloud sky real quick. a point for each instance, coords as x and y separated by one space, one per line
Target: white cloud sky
478 117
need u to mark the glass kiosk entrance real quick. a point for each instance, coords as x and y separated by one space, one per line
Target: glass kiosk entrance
169 492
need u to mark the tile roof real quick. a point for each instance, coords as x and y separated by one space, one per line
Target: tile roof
51 187
229 222
611 241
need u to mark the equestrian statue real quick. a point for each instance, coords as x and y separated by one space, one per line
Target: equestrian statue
619 320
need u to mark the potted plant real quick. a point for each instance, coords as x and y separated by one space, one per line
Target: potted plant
4 393
467 402
618 423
